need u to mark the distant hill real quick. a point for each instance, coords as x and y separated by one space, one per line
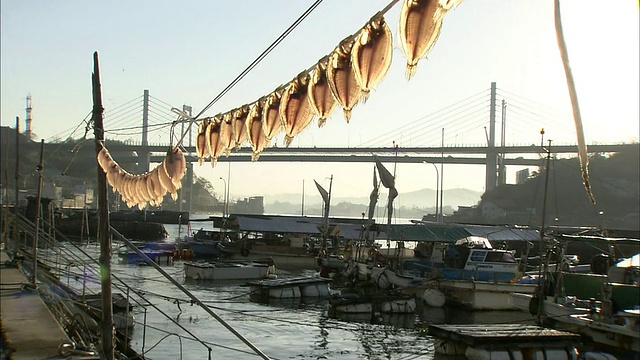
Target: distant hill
422 199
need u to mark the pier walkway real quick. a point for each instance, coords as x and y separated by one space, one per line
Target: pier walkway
29 328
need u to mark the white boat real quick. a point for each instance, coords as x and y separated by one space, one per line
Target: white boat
228 270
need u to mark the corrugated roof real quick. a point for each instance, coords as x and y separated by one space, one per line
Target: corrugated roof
427 232
501 233
275 224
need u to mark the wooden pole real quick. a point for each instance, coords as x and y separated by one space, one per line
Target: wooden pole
108 331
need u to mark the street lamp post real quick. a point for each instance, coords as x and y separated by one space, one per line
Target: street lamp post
437 188
224 208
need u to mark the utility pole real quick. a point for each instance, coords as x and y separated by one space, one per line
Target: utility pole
38 199
108 331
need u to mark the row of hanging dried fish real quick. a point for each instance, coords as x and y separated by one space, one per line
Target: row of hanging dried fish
151 187
345 77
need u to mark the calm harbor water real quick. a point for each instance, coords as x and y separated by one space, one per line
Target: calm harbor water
282 330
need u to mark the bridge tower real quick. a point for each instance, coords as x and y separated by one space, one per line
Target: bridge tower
28 119
144 156
492 155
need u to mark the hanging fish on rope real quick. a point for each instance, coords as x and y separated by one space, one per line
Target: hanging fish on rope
202 150
420 27
239 125
155 184
213 139
165 180
295 110
320 96
342 77
371 54
227 140
176 166
271 122
255 131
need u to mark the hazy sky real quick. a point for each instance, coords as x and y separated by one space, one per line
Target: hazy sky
187 52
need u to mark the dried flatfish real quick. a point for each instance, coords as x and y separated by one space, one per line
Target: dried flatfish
213 139
342 77
240 126
420 26
295 110
227 140
255 131
202 150
271 122
320 96
371 54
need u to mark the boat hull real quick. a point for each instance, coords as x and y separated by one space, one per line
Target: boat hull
483 295
226 271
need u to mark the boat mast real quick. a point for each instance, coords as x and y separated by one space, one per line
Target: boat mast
542 275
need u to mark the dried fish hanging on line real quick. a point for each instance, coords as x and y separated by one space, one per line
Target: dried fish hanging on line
295 109
342 77
320 97
255 132
371 55
420 27
151 187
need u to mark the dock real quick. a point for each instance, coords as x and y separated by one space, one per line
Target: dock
29 329
491 340
293 287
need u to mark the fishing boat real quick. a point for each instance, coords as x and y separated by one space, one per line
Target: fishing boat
469 273
158 252
229 270
211 243
602 307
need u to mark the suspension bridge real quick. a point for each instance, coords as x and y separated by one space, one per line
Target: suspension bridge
135 122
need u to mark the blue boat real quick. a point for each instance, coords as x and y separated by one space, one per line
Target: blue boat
159 252
211 243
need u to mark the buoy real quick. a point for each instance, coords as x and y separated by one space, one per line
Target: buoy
434 297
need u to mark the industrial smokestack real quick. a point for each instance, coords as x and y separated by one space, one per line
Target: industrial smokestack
28 119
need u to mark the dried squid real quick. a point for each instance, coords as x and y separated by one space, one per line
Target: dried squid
342 77
176 166
166 182
420 26
255 131
271 122
320 97
295 110
371 54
